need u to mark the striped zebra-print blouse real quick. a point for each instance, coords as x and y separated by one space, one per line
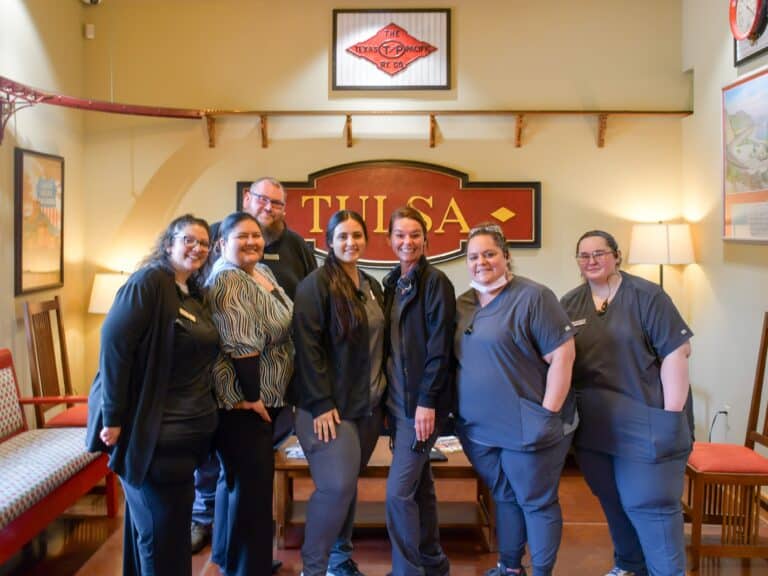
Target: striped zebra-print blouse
250 319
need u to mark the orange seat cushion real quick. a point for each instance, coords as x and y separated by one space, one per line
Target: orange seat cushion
75 417
726 459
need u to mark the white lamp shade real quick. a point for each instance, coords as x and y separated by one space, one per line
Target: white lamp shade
105 287
661 244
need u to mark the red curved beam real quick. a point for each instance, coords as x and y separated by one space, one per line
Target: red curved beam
16 90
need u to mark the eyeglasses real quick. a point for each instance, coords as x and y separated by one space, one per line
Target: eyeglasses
594 255
191 241
264 200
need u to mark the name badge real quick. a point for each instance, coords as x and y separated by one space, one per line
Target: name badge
187 315
273 257
580 322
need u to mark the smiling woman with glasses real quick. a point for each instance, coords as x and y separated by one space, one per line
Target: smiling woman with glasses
514 350
151 406
253 315
631 382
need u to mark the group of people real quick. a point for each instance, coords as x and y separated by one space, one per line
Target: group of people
265 329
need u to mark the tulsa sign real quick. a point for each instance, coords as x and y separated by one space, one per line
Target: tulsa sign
450 203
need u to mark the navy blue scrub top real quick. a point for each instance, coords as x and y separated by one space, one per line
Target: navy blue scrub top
617 373
501 375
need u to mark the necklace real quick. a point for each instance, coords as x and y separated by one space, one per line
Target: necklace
603 308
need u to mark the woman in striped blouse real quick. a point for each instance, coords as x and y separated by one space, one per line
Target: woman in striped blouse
253 316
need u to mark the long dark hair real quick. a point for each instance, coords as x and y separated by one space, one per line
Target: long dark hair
159 254
345 301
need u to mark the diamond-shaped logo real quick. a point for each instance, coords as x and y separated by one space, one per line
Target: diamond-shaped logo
392 49
503 214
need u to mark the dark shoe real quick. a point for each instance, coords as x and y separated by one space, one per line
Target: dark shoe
346 568
276 565
199 534
502 570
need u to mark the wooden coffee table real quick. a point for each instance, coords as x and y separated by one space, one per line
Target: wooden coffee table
477 512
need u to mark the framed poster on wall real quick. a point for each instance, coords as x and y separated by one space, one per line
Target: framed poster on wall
391 49
38 221
745 159
745 50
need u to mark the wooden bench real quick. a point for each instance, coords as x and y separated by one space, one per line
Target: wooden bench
477 512
42 472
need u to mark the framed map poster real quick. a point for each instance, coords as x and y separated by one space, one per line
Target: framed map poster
38 221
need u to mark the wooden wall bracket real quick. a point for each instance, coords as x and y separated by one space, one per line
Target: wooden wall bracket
519 130
432 130
263 127
348 130
602 125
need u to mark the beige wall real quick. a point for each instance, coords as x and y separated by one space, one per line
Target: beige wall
141 172
41 46
138 172
728 291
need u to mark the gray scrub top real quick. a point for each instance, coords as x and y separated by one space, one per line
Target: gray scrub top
376 326
617 373
501 375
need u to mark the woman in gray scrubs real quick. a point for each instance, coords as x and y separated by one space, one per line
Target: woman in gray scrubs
631 381
516 415
421 307
338 328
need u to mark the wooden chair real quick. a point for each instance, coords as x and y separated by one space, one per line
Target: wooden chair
43 471
49 366
725 481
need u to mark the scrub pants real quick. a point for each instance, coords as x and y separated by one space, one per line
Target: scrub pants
641 501
159 511
335 467
412 508
205 490
524 486
243 514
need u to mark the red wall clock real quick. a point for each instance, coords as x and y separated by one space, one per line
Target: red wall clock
747 18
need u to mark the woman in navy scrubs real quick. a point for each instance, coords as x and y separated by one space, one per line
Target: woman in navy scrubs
516 415
631 381
420 307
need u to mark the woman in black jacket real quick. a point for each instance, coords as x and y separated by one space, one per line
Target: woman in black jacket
338 327
151 405
420 307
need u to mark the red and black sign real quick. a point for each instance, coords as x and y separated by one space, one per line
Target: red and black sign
449 202
392 49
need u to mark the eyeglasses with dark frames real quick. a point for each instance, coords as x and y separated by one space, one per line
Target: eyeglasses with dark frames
191 241
264 200
594 255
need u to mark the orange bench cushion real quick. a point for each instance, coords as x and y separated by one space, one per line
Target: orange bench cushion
727 459
74 417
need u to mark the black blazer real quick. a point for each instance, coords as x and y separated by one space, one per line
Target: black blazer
330 372
135 364
426 330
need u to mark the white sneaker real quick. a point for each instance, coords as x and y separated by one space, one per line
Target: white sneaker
616 571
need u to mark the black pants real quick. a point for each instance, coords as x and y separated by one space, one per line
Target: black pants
159 510
244 502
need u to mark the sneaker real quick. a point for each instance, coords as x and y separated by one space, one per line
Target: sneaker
501 570
346 568
199 536
616 571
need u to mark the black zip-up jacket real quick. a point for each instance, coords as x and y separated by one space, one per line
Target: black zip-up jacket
426 327
330 372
